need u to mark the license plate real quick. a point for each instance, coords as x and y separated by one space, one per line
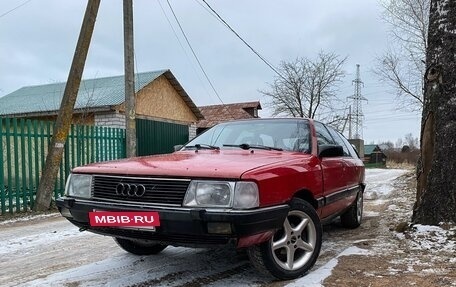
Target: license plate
128 219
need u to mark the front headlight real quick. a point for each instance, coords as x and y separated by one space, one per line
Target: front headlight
246 195
79 185
209 193
239 195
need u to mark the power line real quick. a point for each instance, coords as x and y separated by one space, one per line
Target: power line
193 52
17 7
208 11
182 47
245 42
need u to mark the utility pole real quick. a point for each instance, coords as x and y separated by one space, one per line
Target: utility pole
358 115
130 102
65 115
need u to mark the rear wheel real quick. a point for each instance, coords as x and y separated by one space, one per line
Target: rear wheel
139 247
354 215
293 249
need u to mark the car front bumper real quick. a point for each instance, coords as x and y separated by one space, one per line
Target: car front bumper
179 226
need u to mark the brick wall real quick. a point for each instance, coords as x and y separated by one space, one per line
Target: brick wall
113 120
191 131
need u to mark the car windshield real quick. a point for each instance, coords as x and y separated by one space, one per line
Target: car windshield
279 134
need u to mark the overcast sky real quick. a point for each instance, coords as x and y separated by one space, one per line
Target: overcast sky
38 41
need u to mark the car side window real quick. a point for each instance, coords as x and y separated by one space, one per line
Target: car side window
352 150
323 135
338 139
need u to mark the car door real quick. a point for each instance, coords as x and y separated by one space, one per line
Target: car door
353 162
333 169
352 165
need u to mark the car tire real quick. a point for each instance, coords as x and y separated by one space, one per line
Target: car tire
139 247
354 215
293 249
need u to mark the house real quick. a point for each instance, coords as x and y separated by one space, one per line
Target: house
215 114
161 104
100 101
373 154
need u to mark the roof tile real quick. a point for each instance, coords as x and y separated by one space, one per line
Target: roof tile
215 114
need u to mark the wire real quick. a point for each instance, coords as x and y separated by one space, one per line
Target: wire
193 52
245 42
182 47
208 11
17 7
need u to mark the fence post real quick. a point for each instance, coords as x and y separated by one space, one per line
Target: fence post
30 161
2 175
36 151
16 165
23 166
73 145
8 164
92 144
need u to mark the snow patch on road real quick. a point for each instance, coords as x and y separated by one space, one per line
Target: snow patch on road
316 277
29 218
381 182
30 242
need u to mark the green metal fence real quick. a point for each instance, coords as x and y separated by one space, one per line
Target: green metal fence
23 150
156 137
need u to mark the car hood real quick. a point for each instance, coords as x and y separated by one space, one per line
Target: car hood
201 163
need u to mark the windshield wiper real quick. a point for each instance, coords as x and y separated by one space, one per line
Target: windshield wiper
202 146
249 146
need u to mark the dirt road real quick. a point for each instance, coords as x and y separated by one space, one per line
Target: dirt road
49 251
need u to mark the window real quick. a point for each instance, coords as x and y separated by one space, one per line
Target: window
323 136
338 139
287 134
352 150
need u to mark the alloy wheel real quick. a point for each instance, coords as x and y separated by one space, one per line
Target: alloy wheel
293 245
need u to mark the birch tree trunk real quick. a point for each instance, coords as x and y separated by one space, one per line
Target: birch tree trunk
436 186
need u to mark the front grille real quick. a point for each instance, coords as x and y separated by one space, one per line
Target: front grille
157 190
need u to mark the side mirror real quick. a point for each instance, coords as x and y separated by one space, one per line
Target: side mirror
178 147
330 150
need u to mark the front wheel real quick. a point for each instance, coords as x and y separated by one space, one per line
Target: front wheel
293 249
139 247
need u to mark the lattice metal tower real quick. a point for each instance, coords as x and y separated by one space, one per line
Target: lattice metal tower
357 116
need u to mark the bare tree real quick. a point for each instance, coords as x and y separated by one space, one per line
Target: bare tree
386 145
411 141
307 88
436 183
402 66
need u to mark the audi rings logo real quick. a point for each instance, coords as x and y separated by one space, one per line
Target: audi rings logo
131 190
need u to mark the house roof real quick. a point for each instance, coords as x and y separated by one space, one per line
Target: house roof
215 114
94 94
370 148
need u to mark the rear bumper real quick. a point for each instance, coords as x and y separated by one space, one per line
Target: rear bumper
184 226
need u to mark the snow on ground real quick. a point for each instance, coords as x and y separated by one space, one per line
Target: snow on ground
430 238
29 242
52 252
316 277
27 218
380 182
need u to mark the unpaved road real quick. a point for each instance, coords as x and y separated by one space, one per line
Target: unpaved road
49 251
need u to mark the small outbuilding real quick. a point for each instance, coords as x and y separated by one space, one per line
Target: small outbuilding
373 154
